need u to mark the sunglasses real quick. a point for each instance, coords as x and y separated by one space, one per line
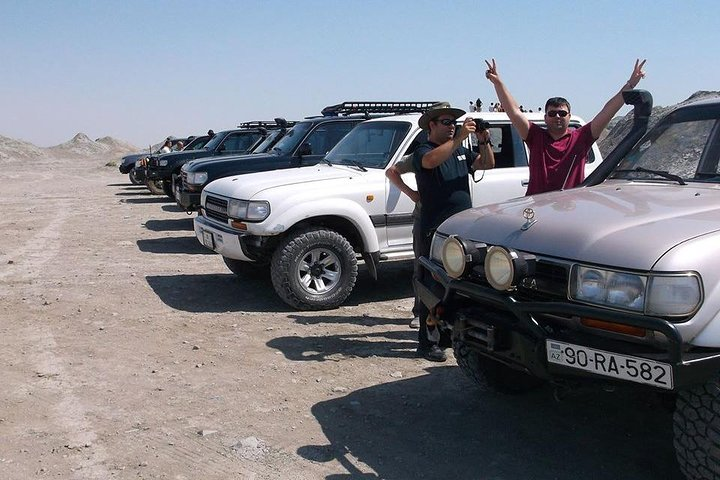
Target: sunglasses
446 121
558 113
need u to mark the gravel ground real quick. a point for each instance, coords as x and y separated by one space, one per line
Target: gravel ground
129 351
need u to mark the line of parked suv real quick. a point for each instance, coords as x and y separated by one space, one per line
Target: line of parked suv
612 282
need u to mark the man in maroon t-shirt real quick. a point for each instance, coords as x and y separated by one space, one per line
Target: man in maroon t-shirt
558 153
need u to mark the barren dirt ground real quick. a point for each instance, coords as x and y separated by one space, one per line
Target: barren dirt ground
129 351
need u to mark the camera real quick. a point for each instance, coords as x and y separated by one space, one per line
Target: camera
481 124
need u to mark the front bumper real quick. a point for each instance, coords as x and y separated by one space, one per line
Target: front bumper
223 240
158 173
186 199
515 332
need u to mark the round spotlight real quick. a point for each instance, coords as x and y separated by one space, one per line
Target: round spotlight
499 268
454 257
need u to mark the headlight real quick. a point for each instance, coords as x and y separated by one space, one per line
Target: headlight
243 210
436 247
676 295
499 268
197 178
458 255
662 295
163 162
505 268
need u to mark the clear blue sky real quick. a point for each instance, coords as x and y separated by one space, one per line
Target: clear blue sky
142 70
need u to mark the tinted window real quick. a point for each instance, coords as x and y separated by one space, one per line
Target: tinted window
265 145
292 139
327 135
370 144
240 142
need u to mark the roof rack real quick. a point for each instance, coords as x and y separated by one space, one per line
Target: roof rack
348 108
277 123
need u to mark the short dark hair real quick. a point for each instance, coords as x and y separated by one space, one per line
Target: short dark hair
557 102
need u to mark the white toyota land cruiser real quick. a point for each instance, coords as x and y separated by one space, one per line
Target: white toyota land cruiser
310 224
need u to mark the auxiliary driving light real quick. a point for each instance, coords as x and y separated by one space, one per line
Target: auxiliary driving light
504 268
458 255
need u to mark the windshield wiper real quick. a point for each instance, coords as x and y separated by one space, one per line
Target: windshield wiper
660 173
354 163
327 161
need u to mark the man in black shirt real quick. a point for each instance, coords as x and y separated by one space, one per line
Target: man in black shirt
442 166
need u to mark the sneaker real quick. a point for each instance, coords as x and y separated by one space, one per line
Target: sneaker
432 353
415 323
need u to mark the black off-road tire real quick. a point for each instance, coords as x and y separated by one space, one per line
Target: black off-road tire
155 187
696 427
314 248
133 177
490 375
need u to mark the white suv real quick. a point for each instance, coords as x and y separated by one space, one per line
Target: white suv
310 224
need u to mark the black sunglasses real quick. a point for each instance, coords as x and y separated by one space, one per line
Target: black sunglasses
446 121
556 113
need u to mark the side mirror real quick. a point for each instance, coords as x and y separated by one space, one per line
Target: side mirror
305 149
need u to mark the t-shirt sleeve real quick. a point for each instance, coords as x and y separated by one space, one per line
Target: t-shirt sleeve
533 132
405 165
418 156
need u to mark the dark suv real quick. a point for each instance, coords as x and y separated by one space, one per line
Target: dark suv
304 145
245 138
127 165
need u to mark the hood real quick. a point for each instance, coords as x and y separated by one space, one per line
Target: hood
201 163
619 223
252 185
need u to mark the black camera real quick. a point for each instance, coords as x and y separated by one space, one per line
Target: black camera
481 124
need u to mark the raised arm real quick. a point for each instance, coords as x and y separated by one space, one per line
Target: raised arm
602 119
519 121
438 155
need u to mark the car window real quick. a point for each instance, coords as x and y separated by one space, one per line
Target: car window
327 135
292 139
370 144
240 142
685 149
507 146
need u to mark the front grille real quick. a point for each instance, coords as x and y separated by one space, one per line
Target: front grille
549 283
216 208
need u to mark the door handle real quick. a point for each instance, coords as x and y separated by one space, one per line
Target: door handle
525 182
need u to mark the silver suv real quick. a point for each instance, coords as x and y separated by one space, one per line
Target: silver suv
614 281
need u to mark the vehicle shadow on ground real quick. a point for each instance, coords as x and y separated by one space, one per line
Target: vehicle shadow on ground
394 282
172 225
126 185
439 426
144 200
215 293
385 344
134 193
188 245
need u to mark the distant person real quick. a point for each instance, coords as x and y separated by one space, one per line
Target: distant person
167 146
179 146
442 165
557 153
478 105
211 134
471 108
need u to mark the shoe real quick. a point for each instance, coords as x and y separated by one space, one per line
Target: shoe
415 323
432 353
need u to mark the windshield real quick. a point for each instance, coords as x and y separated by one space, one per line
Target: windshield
213 143
292 139
370 144
683 147
198 143
265 145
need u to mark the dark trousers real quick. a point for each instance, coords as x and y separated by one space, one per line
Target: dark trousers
421 244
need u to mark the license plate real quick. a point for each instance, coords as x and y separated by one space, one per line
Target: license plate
208 239
633 369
